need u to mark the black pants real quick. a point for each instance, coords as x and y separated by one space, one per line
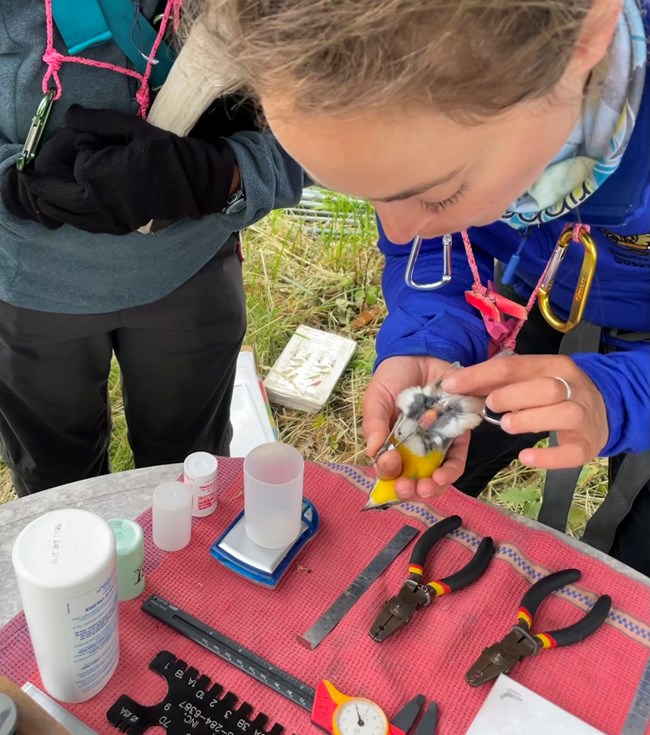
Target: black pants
177 358
490 450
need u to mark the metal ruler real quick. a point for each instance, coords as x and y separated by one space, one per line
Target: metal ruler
639 715
250 663
342 605
59 713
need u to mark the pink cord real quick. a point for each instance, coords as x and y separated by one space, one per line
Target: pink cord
509 342
478 286
54 59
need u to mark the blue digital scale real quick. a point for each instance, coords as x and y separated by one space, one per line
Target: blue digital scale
236 551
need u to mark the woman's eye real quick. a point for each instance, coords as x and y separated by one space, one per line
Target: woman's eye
445 203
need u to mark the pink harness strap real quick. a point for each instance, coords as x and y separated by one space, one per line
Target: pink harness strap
494 307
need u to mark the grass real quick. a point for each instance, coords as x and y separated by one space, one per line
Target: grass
324 271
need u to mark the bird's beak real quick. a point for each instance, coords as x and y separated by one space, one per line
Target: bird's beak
372 504
428 419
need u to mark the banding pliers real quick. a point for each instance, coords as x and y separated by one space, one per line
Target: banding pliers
397 611
501 657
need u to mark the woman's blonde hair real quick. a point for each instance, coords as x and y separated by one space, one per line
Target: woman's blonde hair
463 57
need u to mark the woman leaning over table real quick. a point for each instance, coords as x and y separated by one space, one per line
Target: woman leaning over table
516 122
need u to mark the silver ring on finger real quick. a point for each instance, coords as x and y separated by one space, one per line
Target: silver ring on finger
566 385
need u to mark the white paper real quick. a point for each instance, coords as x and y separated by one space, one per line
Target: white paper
250 421
511 709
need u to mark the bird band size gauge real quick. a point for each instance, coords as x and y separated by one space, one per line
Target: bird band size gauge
193 706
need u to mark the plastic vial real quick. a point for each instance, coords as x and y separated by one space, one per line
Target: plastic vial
65 563
172 515
200 475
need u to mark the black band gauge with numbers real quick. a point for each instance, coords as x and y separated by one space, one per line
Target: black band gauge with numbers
193 706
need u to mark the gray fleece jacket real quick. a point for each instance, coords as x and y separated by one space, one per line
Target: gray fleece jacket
71 271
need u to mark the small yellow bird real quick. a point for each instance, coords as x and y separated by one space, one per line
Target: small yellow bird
429 421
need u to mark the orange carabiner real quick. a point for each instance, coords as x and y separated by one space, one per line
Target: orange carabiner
581 293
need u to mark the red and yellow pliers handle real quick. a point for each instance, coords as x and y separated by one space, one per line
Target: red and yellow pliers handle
572 633
413 595
470 572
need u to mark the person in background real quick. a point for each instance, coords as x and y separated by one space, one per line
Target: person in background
80 283
514 126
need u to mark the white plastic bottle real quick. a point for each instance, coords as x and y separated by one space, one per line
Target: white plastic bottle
65 563
200 475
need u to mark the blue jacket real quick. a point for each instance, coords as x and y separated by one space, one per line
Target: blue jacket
440 323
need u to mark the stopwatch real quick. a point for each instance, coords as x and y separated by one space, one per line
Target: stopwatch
339 714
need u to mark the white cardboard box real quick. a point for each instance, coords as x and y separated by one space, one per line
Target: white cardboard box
304 375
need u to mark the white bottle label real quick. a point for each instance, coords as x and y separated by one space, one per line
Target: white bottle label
206 496
93 633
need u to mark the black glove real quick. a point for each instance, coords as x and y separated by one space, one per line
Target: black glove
54 162
123 172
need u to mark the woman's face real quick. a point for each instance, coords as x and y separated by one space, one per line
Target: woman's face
426 174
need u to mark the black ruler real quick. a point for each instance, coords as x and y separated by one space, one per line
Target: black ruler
250 663
342 605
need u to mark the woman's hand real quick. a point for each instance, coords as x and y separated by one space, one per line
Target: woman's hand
541 393
380 411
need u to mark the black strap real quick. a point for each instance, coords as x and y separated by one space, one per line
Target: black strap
560 485
631 478
628 336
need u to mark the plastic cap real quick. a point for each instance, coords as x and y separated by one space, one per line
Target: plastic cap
63 548
129 539
128 535
200 465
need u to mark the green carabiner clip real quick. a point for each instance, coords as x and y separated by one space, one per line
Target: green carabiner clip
36 130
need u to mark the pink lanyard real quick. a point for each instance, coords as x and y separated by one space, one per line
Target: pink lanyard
494 307
54 59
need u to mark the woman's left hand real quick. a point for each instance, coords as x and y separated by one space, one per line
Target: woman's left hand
541 393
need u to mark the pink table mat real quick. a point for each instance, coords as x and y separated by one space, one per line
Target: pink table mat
594 680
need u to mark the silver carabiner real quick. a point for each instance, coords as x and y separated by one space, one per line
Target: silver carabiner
446 265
